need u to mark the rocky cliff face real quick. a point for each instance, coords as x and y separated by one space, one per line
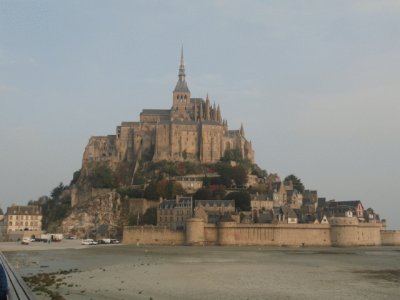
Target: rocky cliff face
98 213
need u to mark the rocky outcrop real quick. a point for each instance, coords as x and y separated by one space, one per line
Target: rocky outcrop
98 215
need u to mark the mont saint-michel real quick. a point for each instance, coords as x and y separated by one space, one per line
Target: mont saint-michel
180 176
192 130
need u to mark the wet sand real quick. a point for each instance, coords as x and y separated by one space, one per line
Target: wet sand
132 272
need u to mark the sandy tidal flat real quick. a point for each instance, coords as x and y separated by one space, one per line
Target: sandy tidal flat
131 272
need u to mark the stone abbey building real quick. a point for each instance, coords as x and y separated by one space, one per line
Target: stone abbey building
192 130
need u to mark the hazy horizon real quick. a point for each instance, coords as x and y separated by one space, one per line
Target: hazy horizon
315 84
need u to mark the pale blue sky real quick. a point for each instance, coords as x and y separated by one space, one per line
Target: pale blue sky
315 83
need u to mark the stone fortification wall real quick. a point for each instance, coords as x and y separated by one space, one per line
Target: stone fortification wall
195 232
346 232
349 232
274 234
211 234
390 237
152 235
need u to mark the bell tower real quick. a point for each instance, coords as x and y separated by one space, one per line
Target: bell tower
181 93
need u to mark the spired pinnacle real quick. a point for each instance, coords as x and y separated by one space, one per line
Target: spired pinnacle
241 130
182 62
182 74
181 86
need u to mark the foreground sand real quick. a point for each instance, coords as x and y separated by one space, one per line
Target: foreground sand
131 272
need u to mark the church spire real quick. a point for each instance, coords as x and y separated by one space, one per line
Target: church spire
182 74
241 130
181 85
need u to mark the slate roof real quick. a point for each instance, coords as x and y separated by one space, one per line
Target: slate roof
210 122
226 218
23 210
181 87
353 203
155 112
196 100
292 214
234 132
265 217
216 202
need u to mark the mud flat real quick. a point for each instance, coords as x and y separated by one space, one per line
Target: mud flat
132 272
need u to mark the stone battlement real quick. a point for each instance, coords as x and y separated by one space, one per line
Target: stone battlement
231 233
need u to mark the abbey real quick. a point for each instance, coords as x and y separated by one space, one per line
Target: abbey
192 130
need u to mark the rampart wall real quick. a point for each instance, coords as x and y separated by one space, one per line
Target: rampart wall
348 232
390 237
341 232
152 235
274 234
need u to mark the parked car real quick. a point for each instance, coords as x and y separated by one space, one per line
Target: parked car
114 241
89 242
25 241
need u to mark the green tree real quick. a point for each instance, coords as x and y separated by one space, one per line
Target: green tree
297 184
133 219
225 171
232 155
130 192
102 177
239 175
55 208
150 217
150 192
57 191
206 181
257 171
174 189
218 194
203 194
242 200
75 177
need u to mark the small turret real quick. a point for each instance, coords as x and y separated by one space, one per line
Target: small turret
219 118
201 112
207 108
241 130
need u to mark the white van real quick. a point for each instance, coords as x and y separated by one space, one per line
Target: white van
89 242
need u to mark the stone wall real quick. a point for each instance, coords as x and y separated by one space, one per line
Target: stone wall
390 237
274 234
349 232
152 235
346 232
